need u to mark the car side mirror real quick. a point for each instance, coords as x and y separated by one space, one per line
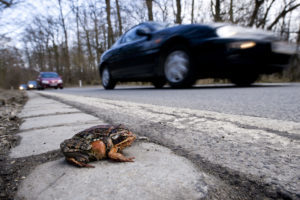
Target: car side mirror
143 32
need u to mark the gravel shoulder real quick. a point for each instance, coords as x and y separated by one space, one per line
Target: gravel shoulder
11 103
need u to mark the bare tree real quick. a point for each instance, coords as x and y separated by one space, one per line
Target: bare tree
149 8
192 12
298 37
288 7
110 36
178 13
231 12
7 4
79 59
66 46
164 8
258 4
216 10
262 22
119 18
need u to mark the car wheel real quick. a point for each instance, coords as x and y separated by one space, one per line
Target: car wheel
107 81
61 88
178 68
158 84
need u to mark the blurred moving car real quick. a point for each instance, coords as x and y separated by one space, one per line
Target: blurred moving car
49 80
31 85
23 87
181 54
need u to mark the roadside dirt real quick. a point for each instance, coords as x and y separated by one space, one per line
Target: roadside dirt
11 102
13 171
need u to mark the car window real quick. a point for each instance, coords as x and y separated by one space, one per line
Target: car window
160 26
116 43
49 75
131 34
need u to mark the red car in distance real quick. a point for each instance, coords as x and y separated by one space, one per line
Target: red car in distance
49 80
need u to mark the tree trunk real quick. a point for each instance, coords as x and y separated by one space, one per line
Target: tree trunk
96 44
104 37
231 12
119 18
216 10
178 14
110 37
66 46
257 6
192 14
298 38
149 7
56 57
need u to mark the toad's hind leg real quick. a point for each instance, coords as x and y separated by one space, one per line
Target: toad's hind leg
78 163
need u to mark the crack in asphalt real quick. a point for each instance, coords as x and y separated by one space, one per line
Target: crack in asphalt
51 114
53 183
58 125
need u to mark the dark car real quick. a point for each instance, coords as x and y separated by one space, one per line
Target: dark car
181 54
49 80
31 85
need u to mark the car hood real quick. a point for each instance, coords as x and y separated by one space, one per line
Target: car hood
244 32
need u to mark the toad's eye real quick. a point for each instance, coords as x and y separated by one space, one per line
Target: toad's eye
115 137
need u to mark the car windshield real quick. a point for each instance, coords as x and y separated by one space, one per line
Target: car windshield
49 75
159 26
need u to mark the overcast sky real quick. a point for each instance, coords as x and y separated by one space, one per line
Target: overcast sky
14 20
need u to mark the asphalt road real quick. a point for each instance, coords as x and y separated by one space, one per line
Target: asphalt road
274 101
257 154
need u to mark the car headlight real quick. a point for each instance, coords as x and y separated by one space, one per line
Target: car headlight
242 45
59 81
21 88
30 85
45 81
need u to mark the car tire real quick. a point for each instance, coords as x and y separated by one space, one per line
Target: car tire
178 67
107 81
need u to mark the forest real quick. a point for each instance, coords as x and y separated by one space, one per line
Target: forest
70 36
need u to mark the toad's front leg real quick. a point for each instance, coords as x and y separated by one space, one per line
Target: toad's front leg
113 154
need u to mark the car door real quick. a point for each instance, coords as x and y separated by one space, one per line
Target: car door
132 62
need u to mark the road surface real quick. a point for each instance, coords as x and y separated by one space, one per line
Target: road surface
247 137
273 101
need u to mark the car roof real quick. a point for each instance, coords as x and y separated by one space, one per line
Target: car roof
48 73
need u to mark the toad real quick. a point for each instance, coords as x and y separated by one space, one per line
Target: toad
96 143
